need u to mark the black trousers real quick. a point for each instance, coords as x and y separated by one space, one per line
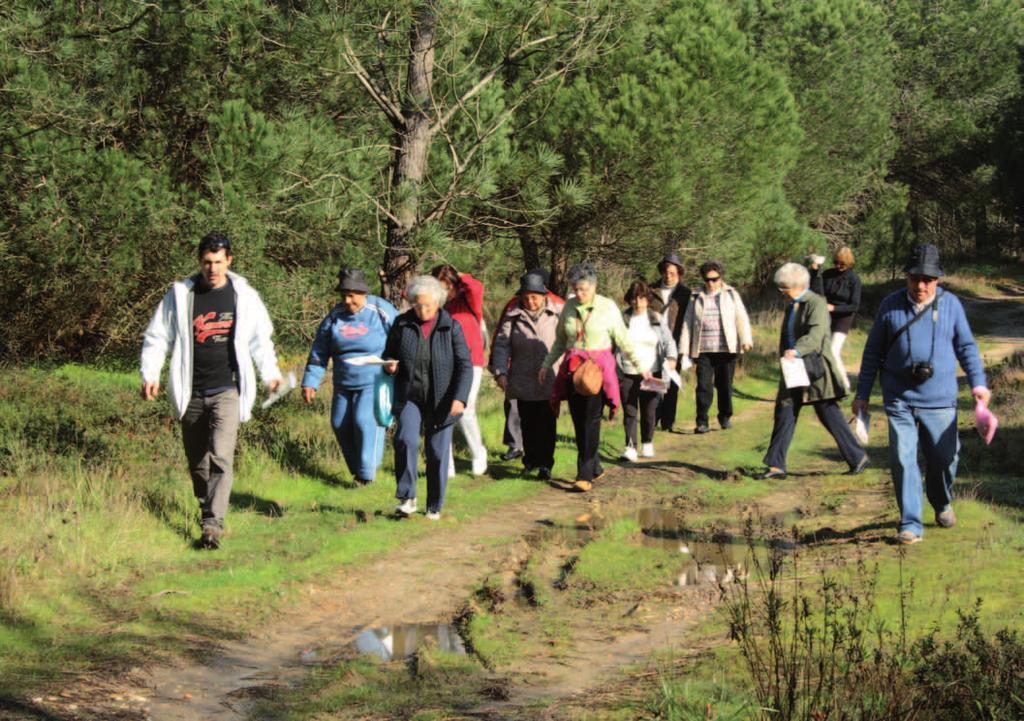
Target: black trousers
586 420
714 373
513 435
787 410
538 425
633 400
667 408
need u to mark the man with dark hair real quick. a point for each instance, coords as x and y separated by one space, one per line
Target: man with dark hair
671 300
919 336
218 331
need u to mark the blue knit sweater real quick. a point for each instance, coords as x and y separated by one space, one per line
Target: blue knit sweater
953 342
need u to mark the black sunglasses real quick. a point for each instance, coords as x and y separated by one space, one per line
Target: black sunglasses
712 278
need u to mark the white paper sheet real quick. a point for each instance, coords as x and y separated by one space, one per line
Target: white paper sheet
366 360
287 384
794 373
657 385
860 424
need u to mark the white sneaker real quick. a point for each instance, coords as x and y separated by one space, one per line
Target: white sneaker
480 466
629 454
407 507
647 450
433 515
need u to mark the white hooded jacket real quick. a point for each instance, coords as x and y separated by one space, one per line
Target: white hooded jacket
171 327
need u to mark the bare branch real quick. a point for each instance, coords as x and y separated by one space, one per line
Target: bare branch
388 106
96 34
327 176
482 82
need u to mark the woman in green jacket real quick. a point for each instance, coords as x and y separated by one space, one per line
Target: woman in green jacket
805 335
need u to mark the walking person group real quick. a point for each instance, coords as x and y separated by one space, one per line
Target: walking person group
423 368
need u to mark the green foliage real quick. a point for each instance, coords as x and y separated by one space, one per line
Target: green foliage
745 129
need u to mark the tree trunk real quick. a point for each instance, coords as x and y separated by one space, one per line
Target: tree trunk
409 166
531 253
559 264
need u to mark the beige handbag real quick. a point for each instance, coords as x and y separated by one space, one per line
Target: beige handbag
588 378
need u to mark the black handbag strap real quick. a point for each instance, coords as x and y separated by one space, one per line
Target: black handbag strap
933 306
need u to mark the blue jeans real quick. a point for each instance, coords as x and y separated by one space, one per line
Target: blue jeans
407 447
934 429
355 427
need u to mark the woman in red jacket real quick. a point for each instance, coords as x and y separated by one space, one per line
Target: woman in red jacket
466 305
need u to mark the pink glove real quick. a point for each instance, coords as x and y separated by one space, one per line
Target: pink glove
985 421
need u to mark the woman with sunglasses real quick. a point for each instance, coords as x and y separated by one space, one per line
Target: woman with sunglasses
716 329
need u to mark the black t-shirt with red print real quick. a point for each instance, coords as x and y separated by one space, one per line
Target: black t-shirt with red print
213 321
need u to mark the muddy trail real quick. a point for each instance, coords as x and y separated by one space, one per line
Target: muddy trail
518 553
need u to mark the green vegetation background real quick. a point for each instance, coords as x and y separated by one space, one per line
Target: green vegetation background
751 130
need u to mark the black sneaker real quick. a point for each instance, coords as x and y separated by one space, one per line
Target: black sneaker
544 474
702 428
724 423
859 468
210 538
511 454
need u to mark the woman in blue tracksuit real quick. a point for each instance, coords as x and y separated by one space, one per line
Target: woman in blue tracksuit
358 326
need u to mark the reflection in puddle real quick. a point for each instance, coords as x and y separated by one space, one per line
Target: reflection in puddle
705 562
398 642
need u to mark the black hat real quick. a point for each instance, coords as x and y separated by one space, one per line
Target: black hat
923 260
351 280
672 258
545 276
532 283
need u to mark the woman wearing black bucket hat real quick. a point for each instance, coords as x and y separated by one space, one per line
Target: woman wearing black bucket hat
524 338
357 326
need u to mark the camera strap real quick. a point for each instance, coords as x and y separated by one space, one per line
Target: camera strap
934 307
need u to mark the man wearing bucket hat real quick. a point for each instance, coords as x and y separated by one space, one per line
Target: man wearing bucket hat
919 335
357 326
671 299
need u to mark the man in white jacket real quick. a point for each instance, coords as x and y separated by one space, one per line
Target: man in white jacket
218 332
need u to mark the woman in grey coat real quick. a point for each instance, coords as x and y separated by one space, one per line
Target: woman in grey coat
524 339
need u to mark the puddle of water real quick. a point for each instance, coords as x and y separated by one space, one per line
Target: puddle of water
722 561
391 643
575 535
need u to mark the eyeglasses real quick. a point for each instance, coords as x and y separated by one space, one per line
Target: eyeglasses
783 289
712 278
922 278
